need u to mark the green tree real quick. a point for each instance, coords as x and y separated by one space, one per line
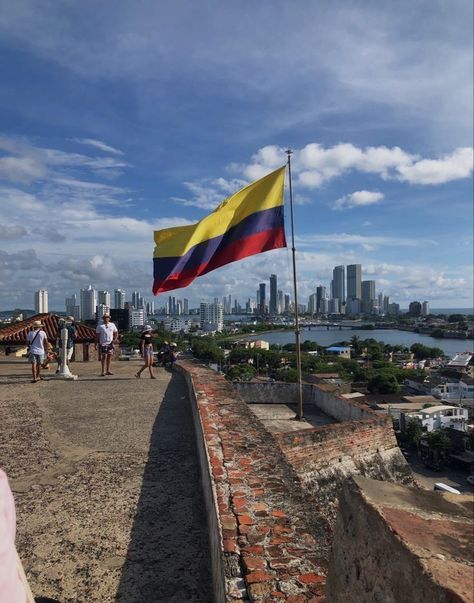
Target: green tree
414 431
356 345
383 383
437 440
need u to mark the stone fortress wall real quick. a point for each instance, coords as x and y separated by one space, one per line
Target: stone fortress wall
272 501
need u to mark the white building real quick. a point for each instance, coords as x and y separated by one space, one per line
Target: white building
103 297
211 316
102 310
425 308
461 391
119 299
88 303
72 307
136 319
41 301
441 417
176 324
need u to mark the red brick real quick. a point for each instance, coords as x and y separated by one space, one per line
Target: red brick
257 576
254 563
311 578
230 546
254 550
245 520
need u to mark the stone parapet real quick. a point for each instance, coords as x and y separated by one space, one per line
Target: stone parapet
395 544
272 547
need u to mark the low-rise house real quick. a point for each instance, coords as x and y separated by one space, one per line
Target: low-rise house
341 351
441 417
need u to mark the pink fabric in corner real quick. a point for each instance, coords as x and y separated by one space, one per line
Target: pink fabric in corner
11 587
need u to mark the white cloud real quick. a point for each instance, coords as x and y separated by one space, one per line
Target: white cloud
357 199
458 164
313 165
98 144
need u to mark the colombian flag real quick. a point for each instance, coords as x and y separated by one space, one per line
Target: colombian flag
249 222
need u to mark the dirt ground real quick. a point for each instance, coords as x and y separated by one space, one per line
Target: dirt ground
106 482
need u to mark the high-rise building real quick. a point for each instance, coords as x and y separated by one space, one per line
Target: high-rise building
72 307
339 283
119 299
273 305
368 296
88 303
41 301
287 303
136 299
103 297
414 308
312 305
211 316
425 308
320 294
262 305
334 306
185 306
281 303
354 281
324 305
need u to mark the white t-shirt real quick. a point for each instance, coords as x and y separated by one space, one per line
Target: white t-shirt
37 347
106 333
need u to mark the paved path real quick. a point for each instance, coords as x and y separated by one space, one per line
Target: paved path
106 482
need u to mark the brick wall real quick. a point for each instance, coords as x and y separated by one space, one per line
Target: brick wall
272 547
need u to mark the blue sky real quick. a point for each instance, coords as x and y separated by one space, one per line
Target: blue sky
118 118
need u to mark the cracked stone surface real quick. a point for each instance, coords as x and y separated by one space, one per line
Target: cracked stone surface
105 477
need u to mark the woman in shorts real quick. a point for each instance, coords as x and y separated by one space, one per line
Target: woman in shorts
146 348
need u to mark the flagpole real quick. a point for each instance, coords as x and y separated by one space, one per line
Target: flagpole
299 410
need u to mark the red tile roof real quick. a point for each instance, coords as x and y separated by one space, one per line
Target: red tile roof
16 333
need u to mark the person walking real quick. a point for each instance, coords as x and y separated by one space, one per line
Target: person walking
38 349
146 348
106 335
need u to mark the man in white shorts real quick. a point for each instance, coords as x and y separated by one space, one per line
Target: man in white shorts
106 335
38 342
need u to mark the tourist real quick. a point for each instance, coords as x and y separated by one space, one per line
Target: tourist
163 352
14 586
106 336
38 349
146 349
71 336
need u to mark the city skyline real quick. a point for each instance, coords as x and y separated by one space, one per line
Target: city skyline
186 106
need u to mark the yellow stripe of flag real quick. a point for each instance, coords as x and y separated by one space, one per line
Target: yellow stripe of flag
263 194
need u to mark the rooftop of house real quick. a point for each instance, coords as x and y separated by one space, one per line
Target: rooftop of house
15 334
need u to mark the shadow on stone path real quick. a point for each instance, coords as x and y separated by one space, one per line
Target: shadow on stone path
168 554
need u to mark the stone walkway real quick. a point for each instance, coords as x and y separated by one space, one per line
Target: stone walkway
105 477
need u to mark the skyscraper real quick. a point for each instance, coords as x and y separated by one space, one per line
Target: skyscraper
262 299
320 295
368 296
119 299
339 283
88 303
354 281
273 307
425 308
41 301
103 297
72 307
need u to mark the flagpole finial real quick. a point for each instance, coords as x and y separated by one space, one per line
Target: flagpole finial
289 152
